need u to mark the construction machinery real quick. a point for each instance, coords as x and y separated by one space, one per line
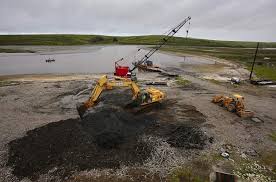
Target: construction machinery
234 103
121 71
148 66
125 71
140 97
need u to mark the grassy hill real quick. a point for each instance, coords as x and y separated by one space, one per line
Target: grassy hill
58 39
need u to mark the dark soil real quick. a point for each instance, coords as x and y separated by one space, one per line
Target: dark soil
105 138
187 137
180 136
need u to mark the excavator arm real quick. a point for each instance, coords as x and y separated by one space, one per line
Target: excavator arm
140 98
104 84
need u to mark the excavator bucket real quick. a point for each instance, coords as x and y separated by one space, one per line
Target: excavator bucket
81 108
246 114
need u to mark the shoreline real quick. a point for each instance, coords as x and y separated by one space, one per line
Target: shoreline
85 76
50 77
211 58
230 66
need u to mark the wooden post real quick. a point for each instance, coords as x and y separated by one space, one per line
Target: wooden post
256 52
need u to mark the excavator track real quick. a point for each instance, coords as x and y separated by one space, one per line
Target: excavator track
142 108
148 107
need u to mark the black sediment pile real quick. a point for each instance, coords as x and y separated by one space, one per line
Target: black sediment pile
106 138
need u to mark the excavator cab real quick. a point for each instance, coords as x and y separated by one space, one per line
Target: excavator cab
238 97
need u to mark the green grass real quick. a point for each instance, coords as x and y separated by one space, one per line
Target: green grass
213 81
53 39
252 170
8 83
181 81
184 174
67 39
2 50
264 72
273 136
268 158
245 56
198 170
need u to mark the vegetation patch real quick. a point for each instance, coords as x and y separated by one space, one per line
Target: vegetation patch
8 83
182 82
214 81
265 67
4 50
264 72
273 136
74 39
268 158
253 171
184 174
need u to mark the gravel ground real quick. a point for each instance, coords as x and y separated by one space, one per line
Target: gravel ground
29 102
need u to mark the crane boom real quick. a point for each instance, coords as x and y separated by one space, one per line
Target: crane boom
164 41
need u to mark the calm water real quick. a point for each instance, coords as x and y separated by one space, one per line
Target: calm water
82 59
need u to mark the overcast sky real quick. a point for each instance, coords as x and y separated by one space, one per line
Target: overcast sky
253 20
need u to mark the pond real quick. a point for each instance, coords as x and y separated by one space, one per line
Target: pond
82 59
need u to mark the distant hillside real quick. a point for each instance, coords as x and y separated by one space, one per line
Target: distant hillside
59 39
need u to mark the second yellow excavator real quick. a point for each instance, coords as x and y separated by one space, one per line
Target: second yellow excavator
140 97
234 103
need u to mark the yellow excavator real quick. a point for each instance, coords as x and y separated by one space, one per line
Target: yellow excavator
140 97
234 103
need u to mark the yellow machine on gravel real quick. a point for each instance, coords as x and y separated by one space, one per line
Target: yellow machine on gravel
140 97
234 103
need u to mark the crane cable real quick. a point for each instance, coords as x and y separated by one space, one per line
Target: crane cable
158 44
188 29
134 52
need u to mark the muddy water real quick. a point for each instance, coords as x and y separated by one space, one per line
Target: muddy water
82 59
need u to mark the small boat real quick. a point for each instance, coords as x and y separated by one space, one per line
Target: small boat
50 60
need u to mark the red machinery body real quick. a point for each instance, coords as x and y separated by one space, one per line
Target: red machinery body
121 71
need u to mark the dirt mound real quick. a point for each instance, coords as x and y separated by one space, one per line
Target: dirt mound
106 138
187 137
180 136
